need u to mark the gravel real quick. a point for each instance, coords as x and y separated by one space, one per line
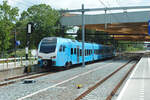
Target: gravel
65 91
104 90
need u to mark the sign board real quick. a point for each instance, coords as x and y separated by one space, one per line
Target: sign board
17 43
29 27
27 50
149 27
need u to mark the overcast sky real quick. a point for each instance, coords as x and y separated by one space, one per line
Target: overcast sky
76 4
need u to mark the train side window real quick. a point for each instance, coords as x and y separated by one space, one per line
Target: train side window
90 52
85 52
71 51
64 48
74 50
60 48
80 52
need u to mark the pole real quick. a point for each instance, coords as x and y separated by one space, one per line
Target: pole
83 35
105 19
15 47
15 42
27 45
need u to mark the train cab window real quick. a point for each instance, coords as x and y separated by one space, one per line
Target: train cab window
75 51
71 51
60 48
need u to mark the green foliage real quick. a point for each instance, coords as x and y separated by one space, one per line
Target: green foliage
7 19
45 21
94 36
129 46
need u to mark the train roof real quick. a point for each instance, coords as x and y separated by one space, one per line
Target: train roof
71 40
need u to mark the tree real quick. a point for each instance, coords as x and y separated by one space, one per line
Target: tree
7 19
45 21
94 36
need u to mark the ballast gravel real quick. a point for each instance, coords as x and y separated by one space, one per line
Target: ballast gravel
56 86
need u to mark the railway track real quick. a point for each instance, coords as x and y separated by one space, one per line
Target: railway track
105 79
23 77
18 78
68 80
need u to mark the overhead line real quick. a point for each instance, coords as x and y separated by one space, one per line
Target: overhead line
102 3
109 10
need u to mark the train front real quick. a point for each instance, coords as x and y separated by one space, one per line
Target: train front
47 51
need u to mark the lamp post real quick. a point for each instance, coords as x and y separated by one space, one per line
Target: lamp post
83 35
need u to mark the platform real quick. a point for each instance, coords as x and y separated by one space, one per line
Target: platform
137 86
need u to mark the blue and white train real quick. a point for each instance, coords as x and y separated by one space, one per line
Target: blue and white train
65 52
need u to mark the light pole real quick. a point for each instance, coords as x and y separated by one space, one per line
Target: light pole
83 35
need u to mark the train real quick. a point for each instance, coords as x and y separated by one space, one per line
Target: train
64 52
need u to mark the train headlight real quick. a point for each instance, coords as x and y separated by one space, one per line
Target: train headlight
53 57
39 56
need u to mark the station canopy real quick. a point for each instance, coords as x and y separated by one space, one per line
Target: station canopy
130 26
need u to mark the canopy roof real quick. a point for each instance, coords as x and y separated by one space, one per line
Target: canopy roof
132 26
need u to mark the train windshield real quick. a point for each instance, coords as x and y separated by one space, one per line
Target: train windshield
48 45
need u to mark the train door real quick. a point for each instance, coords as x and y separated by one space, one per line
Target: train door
92 52
78 54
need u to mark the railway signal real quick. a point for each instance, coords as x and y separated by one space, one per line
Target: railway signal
29 32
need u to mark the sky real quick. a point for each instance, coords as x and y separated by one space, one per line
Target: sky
76 4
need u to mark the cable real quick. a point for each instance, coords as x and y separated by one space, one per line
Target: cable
107 7
117 3
102 3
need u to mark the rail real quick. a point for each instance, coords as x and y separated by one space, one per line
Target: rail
100 83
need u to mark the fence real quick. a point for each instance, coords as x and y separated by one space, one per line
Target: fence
11 63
